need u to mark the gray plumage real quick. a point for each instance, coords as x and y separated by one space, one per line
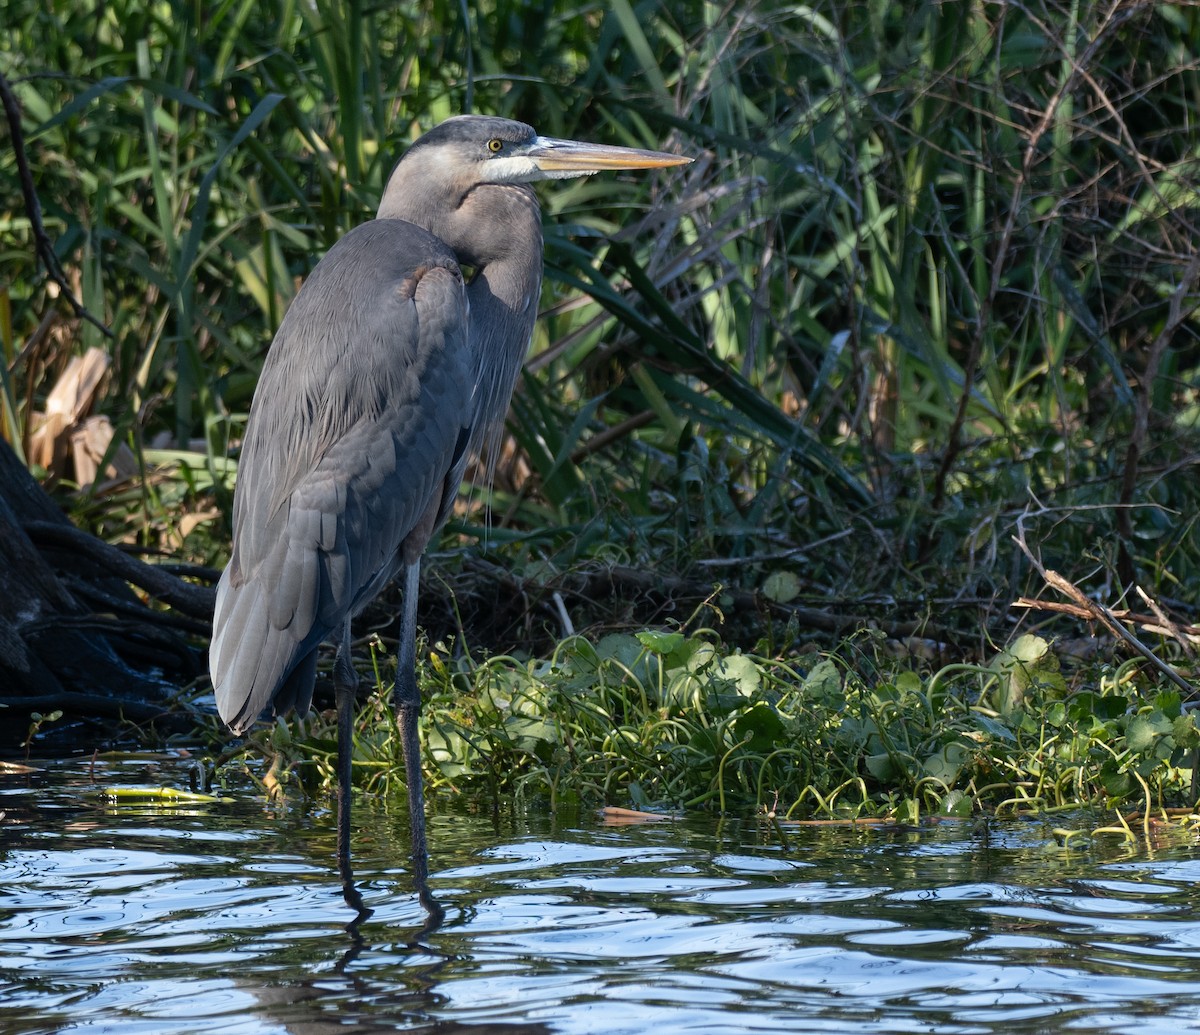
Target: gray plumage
363 438
388 371
355 444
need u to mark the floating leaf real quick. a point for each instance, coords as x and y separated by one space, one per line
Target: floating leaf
1026 664
881 766
957 804
660 642
781 587
742 671
1144 730
946 764
823 681
762 724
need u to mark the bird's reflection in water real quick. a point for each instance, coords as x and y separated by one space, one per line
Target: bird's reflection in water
435 914
369 1001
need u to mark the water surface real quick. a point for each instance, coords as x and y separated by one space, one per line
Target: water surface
230 919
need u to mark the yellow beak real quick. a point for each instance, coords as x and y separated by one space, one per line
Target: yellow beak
575 156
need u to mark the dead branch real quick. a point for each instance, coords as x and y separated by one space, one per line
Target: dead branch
193 600
675 593
1093 610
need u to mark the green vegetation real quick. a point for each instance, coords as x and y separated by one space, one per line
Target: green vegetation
930 285
668 720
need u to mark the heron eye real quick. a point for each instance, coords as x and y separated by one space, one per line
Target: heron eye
495 145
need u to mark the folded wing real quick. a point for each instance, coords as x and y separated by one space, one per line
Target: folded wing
353 454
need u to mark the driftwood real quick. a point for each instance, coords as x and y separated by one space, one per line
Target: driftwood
74 636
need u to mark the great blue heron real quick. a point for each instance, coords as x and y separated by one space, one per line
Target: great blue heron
390 368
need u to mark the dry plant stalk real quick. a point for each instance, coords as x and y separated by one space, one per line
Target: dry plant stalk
65 432
1083 606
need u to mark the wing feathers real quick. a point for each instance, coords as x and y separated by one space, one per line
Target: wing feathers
353 433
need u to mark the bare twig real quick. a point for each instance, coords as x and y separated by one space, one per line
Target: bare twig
1159 623
33 208
1095 611
1167 626
1118 12
1177 313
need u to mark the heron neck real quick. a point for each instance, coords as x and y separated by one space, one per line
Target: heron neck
503 294
495 229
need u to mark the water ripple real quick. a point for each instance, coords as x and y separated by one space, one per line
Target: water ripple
231 921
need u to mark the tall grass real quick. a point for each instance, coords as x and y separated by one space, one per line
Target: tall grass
933 258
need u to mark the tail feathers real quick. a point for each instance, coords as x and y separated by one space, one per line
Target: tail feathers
252 662
295 695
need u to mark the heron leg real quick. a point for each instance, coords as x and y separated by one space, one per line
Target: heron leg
345 683
407 700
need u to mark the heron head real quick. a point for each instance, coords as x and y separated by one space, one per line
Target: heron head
469 150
